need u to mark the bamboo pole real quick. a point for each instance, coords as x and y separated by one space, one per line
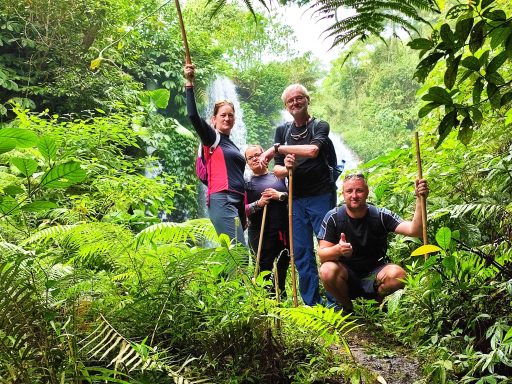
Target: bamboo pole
260 242
422 198
183 34
290 229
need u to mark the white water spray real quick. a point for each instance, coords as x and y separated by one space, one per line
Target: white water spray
224 89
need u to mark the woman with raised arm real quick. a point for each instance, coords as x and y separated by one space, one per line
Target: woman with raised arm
224 162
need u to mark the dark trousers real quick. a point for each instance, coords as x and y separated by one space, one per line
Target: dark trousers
274 245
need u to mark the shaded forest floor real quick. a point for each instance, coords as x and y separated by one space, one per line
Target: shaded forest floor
393 362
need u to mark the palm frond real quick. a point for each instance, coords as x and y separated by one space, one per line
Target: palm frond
105 343
371 17
328 324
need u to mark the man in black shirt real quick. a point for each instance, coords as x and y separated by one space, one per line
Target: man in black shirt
353 245
301 146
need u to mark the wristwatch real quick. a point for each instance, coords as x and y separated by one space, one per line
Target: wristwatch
276 148
283 196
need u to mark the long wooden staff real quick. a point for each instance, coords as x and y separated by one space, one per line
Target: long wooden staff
423 199
260 242
183 34
290 229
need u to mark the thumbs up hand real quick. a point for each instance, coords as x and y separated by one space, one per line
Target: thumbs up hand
344 248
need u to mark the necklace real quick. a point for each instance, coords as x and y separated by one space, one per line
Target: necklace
303 134
298 136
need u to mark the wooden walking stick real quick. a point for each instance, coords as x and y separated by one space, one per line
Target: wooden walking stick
183 34
290 229
423 200
260 241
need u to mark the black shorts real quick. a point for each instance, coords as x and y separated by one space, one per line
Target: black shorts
363 286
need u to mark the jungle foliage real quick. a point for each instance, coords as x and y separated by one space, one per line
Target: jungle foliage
94 287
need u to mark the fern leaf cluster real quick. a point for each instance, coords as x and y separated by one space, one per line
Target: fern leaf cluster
105 343
370 17
328 324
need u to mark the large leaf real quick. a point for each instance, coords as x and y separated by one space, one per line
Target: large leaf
477 90
508 46
7 145
63 175
438 95
444 237
496 62
421 43
47 147
425 110
477 36
425 249
447 35
8 205
462 30
26 166
160 97
22 137
499 36
471 62
40 205
449 263
446 125
465 131
493 93
506 99
451 72
13 190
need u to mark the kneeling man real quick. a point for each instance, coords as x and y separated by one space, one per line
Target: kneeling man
353 245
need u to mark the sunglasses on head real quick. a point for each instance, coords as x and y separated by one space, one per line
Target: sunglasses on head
354 176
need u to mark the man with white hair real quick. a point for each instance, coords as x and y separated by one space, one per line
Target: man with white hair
300 146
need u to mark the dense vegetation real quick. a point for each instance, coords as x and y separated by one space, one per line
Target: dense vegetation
95 288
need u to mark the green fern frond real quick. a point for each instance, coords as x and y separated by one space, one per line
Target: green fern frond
99 245
371 17
482 210
197 231
23 335
9 249
328 324
105 343
47 234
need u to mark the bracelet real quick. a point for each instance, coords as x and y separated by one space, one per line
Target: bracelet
276 148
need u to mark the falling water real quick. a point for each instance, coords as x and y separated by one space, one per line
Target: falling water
223 89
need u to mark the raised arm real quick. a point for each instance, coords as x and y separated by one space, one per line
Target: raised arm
414 227
205 132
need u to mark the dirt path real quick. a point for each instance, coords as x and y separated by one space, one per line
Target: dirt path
393 363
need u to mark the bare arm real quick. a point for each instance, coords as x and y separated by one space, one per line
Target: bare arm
328 251
309 151
414 226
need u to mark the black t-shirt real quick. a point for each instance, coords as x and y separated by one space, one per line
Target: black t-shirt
367 235
311 177
277 211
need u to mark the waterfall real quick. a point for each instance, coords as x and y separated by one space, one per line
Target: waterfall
153 169
223 89
344 153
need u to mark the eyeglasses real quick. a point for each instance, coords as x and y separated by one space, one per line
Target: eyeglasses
354 176
255 156
292 100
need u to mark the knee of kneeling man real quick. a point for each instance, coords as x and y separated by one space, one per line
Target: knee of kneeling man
328 271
